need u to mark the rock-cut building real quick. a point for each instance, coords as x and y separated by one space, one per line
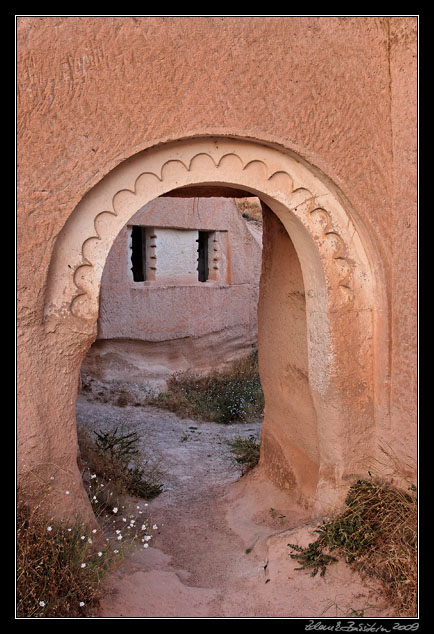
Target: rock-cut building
179 292
314 115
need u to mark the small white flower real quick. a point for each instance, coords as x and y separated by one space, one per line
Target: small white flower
144 527
81 603
83 537
100 554
67 492
119 536
42 604
147 537
115 551
155 527
93 476
51 477
94 530
145 545
115 510
49 528
123 519
69 530
94 497
89 540
83 565
117 532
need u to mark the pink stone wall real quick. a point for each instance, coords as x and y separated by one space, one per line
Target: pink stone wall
338 92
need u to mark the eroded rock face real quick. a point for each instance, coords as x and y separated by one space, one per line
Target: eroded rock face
290 443
326 110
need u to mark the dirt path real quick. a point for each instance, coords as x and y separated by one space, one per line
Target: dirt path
221 548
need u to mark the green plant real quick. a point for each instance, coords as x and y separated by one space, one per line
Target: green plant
115 457
273 514
312 557
246 451
377 535
144 483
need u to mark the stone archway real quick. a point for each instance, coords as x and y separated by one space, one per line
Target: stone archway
338 281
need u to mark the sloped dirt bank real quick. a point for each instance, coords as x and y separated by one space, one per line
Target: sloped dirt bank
221 547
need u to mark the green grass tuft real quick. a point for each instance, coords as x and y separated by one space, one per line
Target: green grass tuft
246 451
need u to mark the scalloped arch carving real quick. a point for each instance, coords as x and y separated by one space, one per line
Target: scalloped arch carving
88 235
340 289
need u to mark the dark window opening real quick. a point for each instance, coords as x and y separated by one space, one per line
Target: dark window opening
138 245
203 270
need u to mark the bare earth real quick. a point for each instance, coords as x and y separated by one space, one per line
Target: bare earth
221 548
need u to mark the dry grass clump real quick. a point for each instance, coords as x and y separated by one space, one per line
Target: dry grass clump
59 569
61 564
250 208
377 535
224 396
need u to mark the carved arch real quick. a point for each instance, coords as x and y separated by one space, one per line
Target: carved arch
84 244
336 269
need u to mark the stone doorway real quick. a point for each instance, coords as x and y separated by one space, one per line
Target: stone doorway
324 395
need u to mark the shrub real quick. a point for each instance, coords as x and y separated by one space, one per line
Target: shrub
224 396
377 535
114 456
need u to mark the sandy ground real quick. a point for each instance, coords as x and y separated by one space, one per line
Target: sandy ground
221 547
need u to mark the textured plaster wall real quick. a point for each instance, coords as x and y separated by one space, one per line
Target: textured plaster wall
403 76
92 92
